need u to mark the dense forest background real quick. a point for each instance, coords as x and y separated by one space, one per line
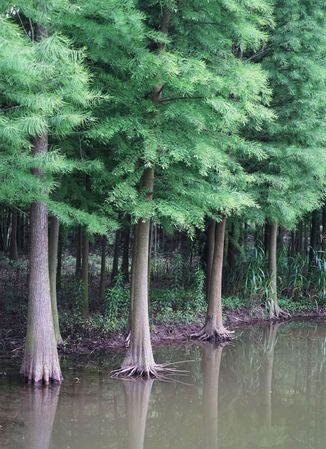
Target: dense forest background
155 155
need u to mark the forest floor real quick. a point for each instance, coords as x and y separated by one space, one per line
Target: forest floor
175 312
85 339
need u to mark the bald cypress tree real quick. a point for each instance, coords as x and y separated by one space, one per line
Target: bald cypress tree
48 101
291 178
178 97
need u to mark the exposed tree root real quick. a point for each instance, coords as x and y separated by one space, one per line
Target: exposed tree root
214 334
156 371
135 372
276 313
42 377
127 340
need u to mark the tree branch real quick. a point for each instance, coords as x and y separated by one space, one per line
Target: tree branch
166 100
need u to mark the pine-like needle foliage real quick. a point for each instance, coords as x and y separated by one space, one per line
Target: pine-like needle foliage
292 177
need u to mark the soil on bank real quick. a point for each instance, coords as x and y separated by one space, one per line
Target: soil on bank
86 339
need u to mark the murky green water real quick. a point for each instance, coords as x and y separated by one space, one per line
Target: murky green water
266 390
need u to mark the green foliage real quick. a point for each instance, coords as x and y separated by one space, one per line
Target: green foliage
175 304
216 145
291 179
51 94
227 106
234 303
298 282
117 304
192 136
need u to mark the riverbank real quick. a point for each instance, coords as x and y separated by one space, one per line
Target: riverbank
165 333
85 338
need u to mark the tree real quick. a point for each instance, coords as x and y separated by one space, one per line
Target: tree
13 237
85 274
291 179
45 103
53 262
178 102
214 327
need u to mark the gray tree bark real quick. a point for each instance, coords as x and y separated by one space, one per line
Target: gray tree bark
79 244
214 327
115 265
210 251
13 237
139 356
85 274
40 362
139 359
103 271
125 255
53 260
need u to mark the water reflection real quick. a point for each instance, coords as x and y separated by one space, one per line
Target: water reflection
137 394
39 406
269 349
266 389
212 356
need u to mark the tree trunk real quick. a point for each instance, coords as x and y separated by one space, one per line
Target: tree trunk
19 232
314 231
306 236
291 248
274 309
214 328
115 266
41 362
5 230
59 263
323 241
150 245
267 237
299 246
25 233
53 259
139 359
125 255
2 241
232 248
79 244
273 270
210 244
132 290
13 238
85 254
103 270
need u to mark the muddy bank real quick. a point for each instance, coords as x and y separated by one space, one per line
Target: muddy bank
164 334
87 339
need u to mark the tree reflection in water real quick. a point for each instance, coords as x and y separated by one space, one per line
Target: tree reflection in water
39 408
212 356
137 394
270 343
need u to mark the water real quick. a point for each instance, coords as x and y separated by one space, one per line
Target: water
266 390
